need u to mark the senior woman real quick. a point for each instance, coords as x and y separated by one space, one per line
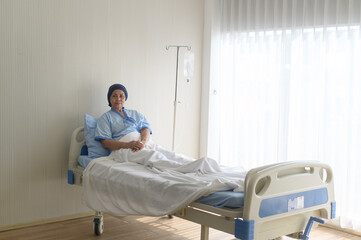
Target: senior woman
121 129
113 125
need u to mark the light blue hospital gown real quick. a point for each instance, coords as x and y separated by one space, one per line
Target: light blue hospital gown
113 126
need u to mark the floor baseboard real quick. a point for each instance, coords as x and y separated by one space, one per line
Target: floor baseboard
45 221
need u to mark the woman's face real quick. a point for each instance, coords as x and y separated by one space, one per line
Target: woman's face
117 99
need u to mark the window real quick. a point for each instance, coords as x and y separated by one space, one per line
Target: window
287 92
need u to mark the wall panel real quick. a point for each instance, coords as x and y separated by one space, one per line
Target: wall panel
58 58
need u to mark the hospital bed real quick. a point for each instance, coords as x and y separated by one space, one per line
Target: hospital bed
279 199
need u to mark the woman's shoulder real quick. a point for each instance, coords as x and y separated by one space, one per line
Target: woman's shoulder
134 114
107 115
132 111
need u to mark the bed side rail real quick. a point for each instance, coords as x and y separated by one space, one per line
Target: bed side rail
76 143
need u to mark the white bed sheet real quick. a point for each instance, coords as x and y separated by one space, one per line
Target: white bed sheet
153 181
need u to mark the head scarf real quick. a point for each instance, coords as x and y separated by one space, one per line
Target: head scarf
114 87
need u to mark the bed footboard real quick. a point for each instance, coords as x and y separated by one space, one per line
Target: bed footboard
280 198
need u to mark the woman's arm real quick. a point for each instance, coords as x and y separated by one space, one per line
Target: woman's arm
116 145
134 145
144 135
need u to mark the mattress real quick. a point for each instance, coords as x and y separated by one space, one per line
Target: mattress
228 199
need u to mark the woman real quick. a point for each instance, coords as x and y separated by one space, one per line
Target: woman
121 129
118 122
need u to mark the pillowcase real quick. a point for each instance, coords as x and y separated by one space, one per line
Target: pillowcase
95 148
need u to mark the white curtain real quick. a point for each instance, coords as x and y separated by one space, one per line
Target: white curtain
288 88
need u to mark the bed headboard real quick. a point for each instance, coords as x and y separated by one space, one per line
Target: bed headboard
76 143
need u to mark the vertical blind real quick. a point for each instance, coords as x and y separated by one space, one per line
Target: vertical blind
289 88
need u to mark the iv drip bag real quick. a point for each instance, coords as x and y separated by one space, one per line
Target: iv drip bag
188 64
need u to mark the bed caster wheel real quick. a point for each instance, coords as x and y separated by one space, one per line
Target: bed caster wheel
295 235
98 225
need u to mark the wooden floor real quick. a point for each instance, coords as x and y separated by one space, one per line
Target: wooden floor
144 228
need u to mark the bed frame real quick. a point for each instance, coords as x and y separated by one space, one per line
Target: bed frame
279 199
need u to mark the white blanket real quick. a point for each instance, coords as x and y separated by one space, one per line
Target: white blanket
152 181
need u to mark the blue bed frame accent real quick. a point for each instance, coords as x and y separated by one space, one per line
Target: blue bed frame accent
244 229
70 177
84 150
291 202
333 210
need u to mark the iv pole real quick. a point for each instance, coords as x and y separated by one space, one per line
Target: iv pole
176 87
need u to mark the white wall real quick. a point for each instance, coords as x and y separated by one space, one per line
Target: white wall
58 58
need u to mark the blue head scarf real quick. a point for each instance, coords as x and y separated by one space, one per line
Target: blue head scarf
114 87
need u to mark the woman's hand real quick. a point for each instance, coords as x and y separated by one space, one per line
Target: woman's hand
136 145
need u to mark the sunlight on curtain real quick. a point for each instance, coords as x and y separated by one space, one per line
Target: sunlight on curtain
292 93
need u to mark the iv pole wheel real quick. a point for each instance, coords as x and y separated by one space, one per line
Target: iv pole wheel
98 225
